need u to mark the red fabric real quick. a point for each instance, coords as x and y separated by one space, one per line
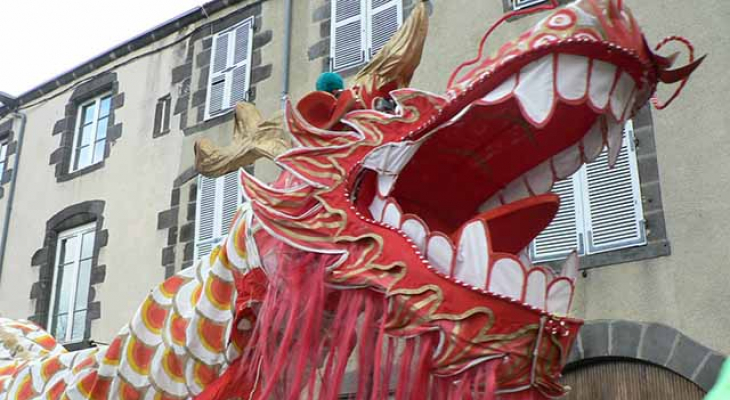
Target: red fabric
324 110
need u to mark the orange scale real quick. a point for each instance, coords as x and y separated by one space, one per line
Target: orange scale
8 370
46 341
93 386
171 286
25 389
211 335
49 368
165 396
56 391
173 366
240 241
204 374
87 362
178 327
195 296
139 356
153 316
219 292
127 391
113 352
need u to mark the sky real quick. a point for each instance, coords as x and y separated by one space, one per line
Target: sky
42 39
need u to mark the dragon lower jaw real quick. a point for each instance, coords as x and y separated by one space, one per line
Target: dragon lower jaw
594 90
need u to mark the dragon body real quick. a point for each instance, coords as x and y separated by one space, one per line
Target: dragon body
390 252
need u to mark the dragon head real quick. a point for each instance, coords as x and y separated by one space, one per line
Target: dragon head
432 206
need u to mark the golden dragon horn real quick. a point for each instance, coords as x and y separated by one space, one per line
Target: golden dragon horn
399 58
253 138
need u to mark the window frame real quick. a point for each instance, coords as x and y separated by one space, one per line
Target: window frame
79 232
96 101
219 209
583 224
4 144
367 12
228 70
515 6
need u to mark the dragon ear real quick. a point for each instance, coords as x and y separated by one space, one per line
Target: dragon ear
253 138
396 62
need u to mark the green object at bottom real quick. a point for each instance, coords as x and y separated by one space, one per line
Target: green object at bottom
721 391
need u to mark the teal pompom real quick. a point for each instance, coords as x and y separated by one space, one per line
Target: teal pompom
329 82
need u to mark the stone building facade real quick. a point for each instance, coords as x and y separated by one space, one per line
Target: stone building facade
132 186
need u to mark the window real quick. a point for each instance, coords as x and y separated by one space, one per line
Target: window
90 138
218 200
522 4
71 283
162 116
3 159
361 28
230 64
600 208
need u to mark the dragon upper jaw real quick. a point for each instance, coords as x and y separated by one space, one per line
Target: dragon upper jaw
471 240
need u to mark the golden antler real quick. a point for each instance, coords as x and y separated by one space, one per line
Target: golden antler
253 138
399 58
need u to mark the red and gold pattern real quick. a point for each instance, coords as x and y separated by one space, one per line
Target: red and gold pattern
181 338
322 266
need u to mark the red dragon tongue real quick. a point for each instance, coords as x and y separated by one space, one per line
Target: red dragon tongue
512 227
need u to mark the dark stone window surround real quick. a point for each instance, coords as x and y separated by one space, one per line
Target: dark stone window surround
190 104
656 232
653 343
163 116
320 50
66 127
7 135
44 258
508 7
181 234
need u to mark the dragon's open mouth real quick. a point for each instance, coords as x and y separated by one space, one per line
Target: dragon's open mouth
475 191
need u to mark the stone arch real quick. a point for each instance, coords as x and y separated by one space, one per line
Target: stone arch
652 343
44 260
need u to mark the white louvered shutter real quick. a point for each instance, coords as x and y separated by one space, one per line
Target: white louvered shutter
205 216
230 65
386 16
612 198
522 4
563 235
218 201
347 47
230 201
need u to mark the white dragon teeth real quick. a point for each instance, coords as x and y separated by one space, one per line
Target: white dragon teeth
440 252
615 139
536 288
386 183
570 267
516 190
416 230
567 162
392 214
603 75
376 208
593 142
572 76
472 257
502 91
507 277
622 94
471 261
388 161
536 90
559 296
540 178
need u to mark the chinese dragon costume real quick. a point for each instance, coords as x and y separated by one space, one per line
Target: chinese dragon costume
390 252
